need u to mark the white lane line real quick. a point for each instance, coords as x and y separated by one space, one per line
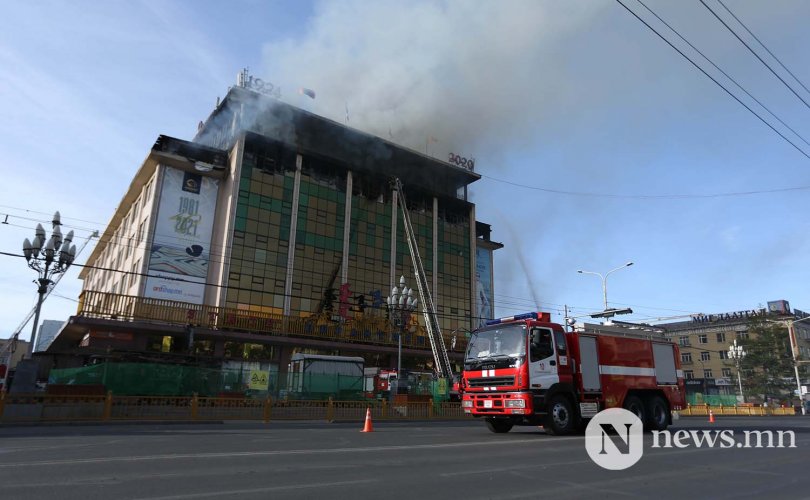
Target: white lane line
177 456
222 493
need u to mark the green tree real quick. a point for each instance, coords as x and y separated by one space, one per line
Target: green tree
768 363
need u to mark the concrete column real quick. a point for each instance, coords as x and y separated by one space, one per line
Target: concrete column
284 355
347 224
435 272
293 230
219 349
473 246
394 218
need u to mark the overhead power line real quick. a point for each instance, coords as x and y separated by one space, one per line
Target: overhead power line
755 54
651 196
724 73
763 46
696 65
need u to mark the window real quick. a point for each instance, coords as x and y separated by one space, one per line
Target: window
136 268
688 374
742 335
726 372
148 192
686 357
684 341
541 346
559 338
705 356
703 339
707 374
723 354
721 337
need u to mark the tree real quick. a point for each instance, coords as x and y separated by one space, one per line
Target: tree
768 364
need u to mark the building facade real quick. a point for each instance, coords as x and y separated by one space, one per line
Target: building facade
704 342
277 231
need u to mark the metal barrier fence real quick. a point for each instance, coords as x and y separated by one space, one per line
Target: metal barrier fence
51 408
703 410
363 329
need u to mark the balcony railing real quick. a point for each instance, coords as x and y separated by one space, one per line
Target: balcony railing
368 329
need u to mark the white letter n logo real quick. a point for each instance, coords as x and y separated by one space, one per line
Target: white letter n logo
621 443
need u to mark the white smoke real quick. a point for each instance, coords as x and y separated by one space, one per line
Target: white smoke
471 74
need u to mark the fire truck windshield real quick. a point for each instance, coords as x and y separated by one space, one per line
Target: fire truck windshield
504 341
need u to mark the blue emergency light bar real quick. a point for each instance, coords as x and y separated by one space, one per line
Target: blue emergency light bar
539 316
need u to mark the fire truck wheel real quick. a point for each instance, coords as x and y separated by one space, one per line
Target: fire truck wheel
634 405
560 419
658 414
498 425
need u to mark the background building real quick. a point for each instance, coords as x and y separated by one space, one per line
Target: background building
277 231
46 333
705 340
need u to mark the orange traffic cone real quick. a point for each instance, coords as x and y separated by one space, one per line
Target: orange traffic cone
368 427
711 417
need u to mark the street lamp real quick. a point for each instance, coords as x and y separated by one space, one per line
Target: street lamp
604 279
401 303
794 348
48 257
737 353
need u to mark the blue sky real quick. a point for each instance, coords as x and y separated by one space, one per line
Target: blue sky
574 97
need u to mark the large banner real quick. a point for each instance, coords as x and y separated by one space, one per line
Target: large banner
183 231
483 286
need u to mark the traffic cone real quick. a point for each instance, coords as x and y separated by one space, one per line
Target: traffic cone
711 417
368 427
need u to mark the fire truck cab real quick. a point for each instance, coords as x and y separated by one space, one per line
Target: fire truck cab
526 370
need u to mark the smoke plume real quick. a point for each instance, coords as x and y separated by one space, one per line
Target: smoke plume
461 76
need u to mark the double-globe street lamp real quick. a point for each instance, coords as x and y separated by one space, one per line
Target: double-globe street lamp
604 280
401 303
48 257
737 353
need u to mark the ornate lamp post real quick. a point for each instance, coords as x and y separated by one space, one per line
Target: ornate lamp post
737 353
401 303
48 257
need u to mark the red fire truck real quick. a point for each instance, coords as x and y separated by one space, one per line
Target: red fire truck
526 370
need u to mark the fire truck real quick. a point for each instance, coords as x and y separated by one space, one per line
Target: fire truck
526 370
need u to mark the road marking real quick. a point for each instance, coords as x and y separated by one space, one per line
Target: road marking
221 493
178 456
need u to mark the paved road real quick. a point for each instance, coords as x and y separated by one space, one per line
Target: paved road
396 461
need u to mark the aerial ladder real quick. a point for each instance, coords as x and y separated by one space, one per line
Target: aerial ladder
11 346
442 368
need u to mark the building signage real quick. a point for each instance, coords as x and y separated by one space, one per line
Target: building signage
462 162
483 286
779 306
248 81
259 380
178 260
709 318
